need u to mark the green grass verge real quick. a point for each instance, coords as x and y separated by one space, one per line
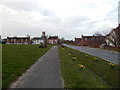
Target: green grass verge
16 59
97 74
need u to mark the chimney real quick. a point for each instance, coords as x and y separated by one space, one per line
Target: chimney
81 36
43 33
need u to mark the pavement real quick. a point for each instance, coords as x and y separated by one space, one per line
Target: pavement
107 55
45 73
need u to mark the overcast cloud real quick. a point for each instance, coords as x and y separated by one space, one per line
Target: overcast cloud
65 18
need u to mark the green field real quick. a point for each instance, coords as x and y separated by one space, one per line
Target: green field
16 59
96 74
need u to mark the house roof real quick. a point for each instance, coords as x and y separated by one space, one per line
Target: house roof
36 38
18 37
77 39
116 30
53 37
93 36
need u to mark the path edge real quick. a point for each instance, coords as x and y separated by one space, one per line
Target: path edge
15 83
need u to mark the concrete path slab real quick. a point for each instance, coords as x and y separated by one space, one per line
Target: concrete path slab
45 73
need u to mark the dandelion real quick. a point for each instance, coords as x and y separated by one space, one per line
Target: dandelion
96 59
74 58
81 66
86 56
111 64
69 54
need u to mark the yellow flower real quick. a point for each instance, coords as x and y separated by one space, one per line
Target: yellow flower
69 54
110 63
113 64
86 56
74 58
95 58
81 66
63 49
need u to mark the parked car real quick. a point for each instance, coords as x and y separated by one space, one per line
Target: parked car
62 45
102 45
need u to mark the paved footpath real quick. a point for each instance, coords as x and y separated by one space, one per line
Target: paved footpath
45 73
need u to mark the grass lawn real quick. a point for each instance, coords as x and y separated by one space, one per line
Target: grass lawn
16 59
97 73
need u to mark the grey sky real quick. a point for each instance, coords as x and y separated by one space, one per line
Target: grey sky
66 18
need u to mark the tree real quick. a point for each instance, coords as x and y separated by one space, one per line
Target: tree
62 40
100 38
98 34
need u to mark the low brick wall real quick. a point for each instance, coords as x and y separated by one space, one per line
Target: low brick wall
112 48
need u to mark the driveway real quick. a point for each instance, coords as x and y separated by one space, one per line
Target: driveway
45 73
103 54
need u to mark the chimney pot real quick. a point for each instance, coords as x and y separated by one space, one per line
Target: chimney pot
43 33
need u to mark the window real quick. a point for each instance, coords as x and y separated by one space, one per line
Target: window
11 39
85 38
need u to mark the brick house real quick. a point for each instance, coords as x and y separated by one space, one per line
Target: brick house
77 40
93 41
53 40
113 38
18 40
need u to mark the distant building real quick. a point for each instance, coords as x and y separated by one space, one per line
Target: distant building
4 41
69 41
53 40
93 41
40 40
77 40
18 40
37 40
0 39
113 38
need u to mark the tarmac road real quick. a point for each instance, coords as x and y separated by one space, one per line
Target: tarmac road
103 54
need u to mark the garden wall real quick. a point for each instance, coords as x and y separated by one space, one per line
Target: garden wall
112 48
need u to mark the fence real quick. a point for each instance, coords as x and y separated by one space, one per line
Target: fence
112 48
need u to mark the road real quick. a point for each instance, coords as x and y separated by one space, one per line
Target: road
103 54
45 73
